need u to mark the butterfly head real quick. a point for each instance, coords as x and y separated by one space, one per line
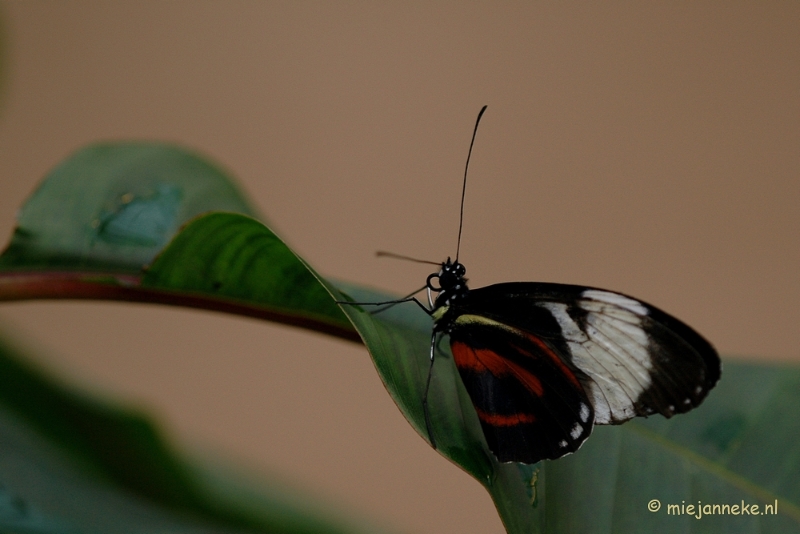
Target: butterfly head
451 282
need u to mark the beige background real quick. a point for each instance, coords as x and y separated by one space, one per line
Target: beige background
651 149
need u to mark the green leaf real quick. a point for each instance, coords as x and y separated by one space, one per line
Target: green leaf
115 206
101 217
232 257
72 463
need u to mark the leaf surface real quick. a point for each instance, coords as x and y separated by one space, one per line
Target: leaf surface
115 206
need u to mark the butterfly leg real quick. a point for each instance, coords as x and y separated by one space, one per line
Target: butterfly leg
425 396
392 302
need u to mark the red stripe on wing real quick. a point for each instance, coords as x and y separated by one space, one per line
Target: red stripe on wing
488 361
505 420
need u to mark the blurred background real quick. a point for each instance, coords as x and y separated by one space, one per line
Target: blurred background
652 149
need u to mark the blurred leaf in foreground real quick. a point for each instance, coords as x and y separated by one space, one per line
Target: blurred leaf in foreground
72 463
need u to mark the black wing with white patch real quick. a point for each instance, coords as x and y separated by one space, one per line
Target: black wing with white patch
639 360
631 358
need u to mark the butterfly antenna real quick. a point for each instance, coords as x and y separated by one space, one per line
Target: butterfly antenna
384 254
464 187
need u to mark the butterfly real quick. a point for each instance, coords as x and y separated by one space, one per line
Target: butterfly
543 362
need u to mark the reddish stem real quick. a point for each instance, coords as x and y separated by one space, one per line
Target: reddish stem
107 286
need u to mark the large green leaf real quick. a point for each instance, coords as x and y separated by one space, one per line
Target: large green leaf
98 219
72 463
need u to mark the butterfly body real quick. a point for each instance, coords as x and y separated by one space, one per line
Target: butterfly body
543 363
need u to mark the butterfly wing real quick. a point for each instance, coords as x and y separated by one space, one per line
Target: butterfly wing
630 359
530 403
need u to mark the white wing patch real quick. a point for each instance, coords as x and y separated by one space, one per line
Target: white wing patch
612 351
615 299
584 412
